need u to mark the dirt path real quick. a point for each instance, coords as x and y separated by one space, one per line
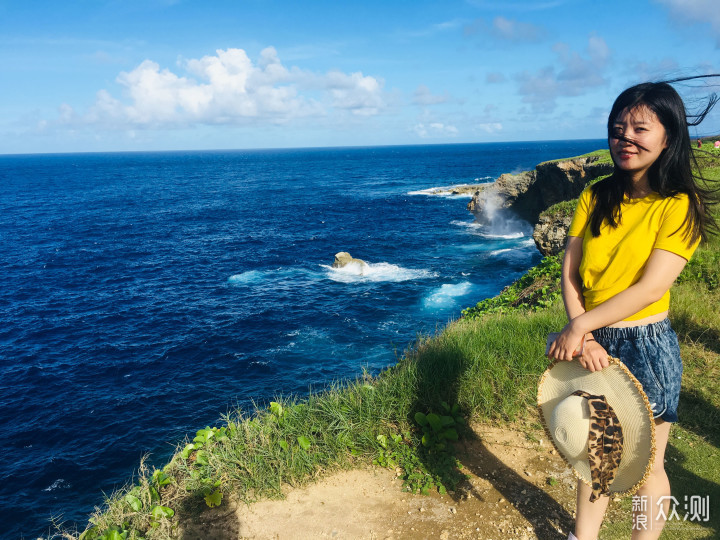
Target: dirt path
508 494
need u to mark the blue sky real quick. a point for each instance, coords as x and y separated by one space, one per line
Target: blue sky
100 75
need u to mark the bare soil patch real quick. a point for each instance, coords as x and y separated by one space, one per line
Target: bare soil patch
517 487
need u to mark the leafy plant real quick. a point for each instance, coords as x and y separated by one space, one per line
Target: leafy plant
203 437
429 465
388 454
277 412
116 532
198 453
537 289
304 442
437 429
214 498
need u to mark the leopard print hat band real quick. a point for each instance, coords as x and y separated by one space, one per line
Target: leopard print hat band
605 443
601 423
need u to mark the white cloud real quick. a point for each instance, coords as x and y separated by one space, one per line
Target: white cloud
505 29
577 75
490 127
511 30
434 129
360 94
423 96
228 88
645 71
495 78
431 30
696 11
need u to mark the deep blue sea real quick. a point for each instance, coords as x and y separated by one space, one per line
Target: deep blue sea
145 294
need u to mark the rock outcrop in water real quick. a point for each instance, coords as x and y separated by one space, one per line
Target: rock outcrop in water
343 259
526 195
529 193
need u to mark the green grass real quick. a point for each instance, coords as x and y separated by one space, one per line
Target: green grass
484 367
603 155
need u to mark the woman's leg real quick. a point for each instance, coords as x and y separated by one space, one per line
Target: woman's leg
657 486
588 515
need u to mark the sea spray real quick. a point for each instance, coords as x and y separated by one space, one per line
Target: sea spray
376 272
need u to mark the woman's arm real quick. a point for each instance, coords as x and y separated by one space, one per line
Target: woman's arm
570 278
594 356
662 269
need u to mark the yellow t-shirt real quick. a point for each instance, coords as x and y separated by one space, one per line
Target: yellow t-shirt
616 259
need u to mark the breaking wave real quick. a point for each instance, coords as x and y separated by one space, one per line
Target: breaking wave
375 272
446 295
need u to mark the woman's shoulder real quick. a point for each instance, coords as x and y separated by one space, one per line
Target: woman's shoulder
600 185
679 199
588 194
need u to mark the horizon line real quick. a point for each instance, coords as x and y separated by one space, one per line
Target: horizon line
281 148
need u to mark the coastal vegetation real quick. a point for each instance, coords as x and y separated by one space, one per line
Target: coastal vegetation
483 367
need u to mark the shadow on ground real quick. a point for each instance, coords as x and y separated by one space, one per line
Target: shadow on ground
546 516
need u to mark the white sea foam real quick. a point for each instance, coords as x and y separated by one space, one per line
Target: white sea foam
500 251
246 278
496 246
487 246
302 339
509 236
390 326
500 224
441 192
446 295
516 229
375 272
511 229
60 483
447 191
428 191
474 225
254 277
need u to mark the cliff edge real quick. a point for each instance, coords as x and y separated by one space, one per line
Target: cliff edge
528 194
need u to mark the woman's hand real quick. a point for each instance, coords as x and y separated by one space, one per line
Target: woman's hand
594 356
569 345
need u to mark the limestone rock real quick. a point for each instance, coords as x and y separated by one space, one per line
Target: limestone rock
550 233
343 258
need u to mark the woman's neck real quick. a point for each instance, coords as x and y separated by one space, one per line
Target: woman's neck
639 187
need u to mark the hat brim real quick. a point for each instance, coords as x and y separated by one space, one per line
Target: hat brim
625 395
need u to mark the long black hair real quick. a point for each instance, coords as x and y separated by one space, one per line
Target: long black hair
674 171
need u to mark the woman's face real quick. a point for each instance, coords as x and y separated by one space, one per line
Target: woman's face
638 138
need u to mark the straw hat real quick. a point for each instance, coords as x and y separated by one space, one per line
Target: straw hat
567 419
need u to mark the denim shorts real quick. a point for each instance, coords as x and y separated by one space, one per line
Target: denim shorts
651 353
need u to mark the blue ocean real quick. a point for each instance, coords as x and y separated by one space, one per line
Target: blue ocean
145 294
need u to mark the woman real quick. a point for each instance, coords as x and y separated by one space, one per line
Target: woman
631 236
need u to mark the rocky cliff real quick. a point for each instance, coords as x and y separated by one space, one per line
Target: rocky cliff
528 194
551 231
